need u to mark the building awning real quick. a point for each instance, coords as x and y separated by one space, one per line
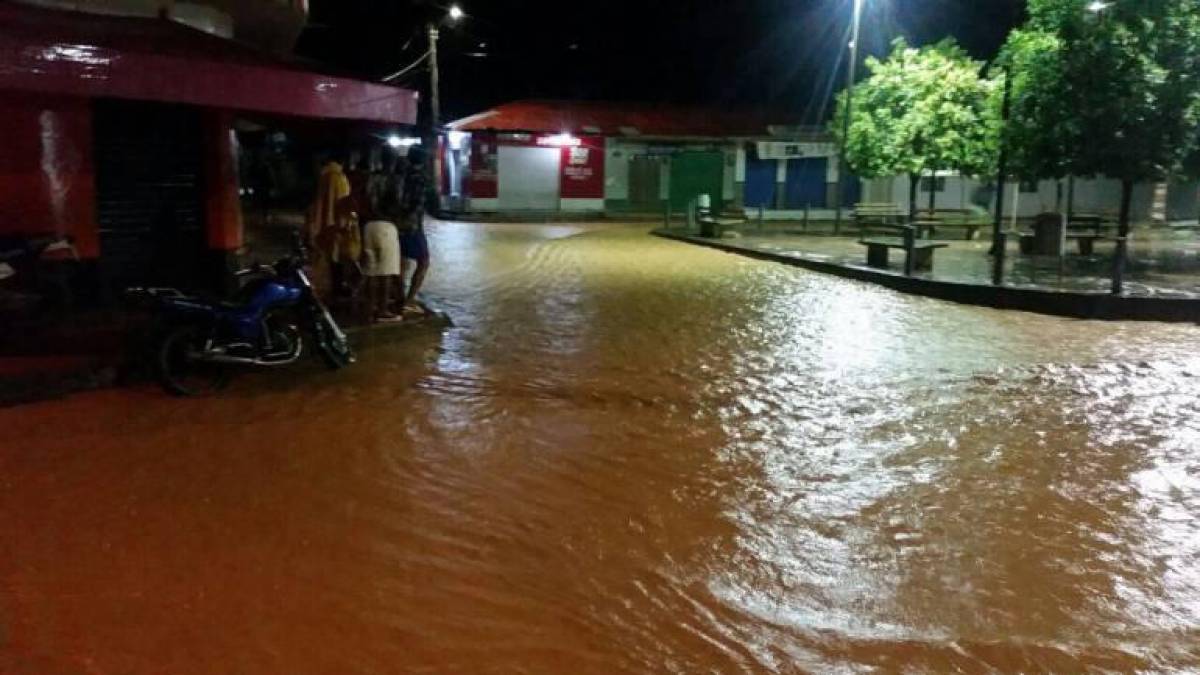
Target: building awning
77 54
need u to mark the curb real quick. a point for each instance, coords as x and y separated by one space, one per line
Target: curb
50 385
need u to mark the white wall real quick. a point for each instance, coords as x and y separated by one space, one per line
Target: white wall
581 205
1091 196
616 169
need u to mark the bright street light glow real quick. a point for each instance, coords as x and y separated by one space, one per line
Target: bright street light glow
563 140
395 141
456 13
1097 6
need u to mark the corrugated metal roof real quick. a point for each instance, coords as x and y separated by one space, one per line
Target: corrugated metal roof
632 120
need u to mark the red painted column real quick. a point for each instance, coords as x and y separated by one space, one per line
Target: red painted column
47 179
222 206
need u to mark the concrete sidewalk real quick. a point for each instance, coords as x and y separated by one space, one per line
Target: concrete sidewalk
30 379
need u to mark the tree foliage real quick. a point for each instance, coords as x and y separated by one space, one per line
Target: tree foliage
1041 134
1113 93
920 110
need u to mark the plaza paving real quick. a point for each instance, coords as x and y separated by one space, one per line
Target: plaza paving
1164 262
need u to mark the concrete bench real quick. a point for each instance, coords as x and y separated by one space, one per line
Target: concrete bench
920 253
1087 242
867 215
1091 222
714 225
929 222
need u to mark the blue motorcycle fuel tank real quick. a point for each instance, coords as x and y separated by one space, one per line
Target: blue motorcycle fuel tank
267 294
260 297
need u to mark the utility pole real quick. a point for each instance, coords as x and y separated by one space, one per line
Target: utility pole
431 133
839 191
999 238
435 98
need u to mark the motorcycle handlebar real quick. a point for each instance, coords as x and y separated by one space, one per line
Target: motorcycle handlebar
256 268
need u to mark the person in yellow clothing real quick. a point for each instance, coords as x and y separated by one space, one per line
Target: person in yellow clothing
333 224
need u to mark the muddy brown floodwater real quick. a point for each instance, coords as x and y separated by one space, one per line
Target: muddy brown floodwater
630 456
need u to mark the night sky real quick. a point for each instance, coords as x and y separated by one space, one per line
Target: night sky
780 55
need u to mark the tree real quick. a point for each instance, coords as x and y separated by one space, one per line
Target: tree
1041 133
1116 94
920 110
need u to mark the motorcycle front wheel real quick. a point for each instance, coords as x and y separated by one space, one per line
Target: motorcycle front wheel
334 353
180 370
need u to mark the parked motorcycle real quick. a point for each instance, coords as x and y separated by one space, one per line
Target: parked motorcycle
198 342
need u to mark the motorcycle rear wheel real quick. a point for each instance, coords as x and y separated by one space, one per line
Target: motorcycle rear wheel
180 372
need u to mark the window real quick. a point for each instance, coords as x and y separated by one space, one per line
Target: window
940 184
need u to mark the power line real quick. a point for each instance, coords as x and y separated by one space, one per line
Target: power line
402 71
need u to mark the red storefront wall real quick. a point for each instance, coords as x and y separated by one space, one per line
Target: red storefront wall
53 63
581 167
47 183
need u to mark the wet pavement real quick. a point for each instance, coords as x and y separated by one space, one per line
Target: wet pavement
1164 262
630 455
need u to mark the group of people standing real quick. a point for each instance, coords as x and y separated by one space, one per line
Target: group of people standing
372 221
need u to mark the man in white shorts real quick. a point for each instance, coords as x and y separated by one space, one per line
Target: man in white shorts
381 250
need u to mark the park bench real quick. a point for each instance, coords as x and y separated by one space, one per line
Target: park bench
1087 222
867 215
881 238
1086 241
714 225
929 222
1047 242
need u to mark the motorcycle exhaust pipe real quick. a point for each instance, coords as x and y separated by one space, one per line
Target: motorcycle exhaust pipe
271 361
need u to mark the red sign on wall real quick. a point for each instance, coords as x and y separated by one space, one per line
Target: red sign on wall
583 170
482 180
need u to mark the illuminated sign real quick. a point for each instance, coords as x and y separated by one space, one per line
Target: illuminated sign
560 141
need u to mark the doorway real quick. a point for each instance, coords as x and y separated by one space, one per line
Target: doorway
149 193
694 174
645 183
529 178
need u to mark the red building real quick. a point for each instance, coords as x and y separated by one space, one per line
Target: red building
571 156
119 130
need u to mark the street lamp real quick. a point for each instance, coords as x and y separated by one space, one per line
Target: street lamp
850 76
454 14
1098 6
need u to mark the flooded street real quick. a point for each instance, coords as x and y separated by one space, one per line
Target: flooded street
630 456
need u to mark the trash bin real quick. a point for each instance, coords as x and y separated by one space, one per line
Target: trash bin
1048 234
704 215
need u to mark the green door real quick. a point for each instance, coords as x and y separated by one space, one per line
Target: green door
697 173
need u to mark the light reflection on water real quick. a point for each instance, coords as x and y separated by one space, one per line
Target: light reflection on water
630 455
